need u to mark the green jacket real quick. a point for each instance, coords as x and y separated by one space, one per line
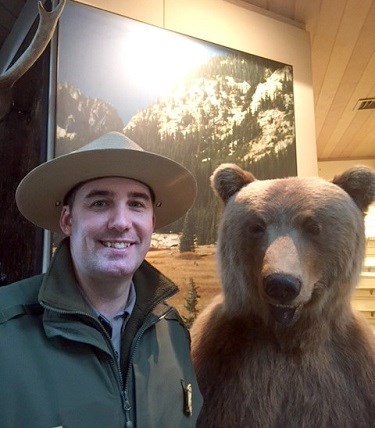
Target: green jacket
57 364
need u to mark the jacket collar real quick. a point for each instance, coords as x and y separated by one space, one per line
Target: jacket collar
59 290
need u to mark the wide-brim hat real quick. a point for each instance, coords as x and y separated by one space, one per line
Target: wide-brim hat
40 195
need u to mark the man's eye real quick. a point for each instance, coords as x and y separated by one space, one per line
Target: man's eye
137 204
99 204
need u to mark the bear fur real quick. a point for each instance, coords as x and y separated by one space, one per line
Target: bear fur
282 347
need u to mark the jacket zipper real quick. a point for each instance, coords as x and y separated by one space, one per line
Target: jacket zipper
146 325
115 366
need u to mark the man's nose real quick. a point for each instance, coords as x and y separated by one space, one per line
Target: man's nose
120 218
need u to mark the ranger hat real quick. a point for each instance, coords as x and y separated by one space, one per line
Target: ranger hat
40 195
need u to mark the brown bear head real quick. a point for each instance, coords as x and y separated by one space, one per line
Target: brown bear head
291 249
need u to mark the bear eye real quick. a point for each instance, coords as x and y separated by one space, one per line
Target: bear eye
311 226
257 228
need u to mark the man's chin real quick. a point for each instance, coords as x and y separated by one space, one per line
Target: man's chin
118 271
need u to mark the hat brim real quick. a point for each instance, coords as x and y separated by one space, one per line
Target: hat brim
41 193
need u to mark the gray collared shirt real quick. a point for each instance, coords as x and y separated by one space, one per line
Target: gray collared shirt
115 324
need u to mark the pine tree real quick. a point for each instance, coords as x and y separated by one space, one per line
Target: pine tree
191 303
187 236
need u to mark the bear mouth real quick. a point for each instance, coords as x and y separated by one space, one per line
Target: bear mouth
284 314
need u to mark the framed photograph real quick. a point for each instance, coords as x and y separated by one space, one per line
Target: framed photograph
196 102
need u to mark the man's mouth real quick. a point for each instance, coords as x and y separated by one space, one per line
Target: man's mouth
117 245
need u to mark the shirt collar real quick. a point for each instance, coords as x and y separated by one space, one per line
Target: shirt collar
123 312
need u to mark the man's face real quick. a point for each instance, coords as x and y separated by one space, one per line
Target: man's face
110 224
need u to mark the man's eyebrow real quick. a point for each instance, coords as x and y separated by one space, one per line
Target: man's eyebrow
107 193
96 192
142 195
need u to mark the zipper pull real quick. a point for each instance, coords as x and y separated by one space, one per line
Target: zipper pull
127 407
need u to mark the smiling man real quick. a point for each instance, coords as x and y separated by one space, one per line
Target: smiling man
92 342
110 224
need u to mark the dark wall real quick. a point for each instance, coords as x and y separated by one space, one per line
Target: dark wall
23 136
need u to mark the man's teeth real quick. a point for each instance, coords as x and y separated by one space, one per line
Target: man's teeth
118 245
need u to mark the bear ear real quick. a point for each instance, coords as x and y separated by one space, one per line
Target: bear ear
228 179
359 183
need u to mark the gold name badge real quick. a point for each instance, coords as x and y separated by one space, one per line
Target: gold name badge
188 398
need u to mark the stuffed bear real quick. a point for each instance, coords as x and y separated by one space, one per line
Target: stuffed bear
282 346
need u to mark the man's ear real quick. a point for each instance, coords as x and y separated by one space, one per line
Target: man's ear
66 220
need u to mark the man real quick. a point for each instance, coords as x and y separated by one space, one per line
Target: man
92 343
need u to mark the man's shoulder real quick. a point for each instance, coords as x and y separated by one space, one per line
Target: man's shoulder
19 296
164 310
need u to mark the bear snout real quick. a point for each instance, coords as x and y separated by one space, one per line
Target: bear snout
281 287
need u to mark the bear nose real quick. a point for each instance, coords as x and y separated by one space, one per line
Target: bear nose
282 287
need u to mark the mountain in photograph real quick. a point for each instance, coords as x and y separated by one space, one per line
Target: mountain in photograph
80 119
231 110
236 108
